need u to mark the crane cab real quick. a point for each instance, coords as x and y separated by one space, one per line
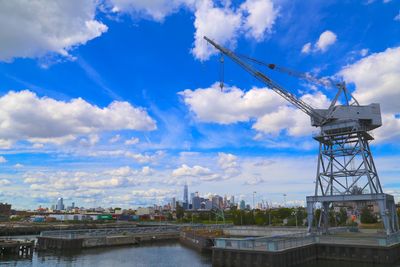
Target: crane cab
349 118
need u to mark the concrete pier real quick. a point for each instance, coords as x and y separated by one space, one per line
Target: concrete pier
16 248
75 240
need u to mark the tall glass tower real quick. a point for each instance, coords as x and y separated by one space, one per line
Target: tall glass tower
185 197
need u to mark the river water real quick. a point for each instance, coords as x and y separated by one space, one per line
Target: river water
159 254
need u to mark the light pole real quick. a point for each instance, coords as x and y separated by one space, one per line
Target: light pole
294 213
254 207
284 200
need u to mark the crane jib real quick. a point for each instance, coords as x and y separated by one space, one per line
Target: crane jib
270 83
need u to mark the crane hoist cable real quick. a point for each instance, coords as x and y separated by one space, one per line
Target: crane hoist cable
221 72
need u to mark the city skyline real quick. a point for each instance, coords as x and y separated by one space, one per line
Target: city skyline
118 103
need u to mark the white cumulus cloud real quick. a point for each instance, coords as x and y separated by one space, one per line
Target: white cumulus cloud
25 116
218 20
325 40
377 79
271 113
220 24
261 17
31 29
186 170
231 105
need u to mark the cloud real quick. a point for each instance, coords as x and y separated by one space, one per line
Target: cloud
25 116
306 48
155 9
325 40
91 140
271 112
254 181
154 193
231 105
2 159
227 161
219 20
220 24
185 170
377 79
132 141
82 180
4 182
32 29
115 138
261 17
224 25
138 157
397 17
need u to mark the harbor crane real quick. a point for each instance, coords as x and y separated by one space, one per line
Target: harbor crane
346 170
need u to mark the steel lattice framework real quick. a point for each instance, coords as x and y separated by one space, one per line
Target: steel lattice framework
346 165
346 172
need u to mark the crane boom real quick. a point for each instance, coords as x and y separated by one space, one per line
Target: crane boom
306 108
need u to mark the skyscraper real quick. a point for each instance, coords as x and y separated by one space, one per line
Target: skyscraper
60 204
185 197
173 204
242 205
232 201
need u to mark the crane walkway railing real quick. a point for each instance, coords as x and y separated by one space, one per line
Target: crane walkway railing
283 242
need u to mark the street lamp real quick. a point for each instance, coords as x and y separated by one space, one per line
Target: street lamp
254 206
294 213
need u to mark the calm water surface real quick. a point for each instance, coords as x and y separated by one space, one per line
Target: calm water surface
165 254
160 254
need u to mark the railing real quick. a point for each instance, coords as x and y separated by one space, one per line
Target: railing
86 233
283 242
275 243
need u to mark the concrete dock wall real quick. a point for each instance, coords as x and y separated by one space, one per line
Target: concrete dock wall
199 243
292 257
127 240
248 258
261 231
55 243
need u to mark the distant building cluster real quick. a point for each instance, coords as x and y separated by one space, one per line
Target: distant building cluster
196 202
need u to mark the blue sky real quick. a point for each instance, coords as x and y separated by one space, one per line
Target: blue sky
116 102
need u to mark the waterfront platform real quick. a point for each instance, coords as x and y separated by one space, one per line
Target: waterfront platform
293 249
88 238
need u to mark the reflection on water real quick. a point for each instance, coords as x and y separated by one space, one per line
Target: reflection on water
160 254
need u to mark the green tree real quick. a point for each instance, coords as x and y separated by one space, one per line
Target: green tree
342 217
179 211
367 216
